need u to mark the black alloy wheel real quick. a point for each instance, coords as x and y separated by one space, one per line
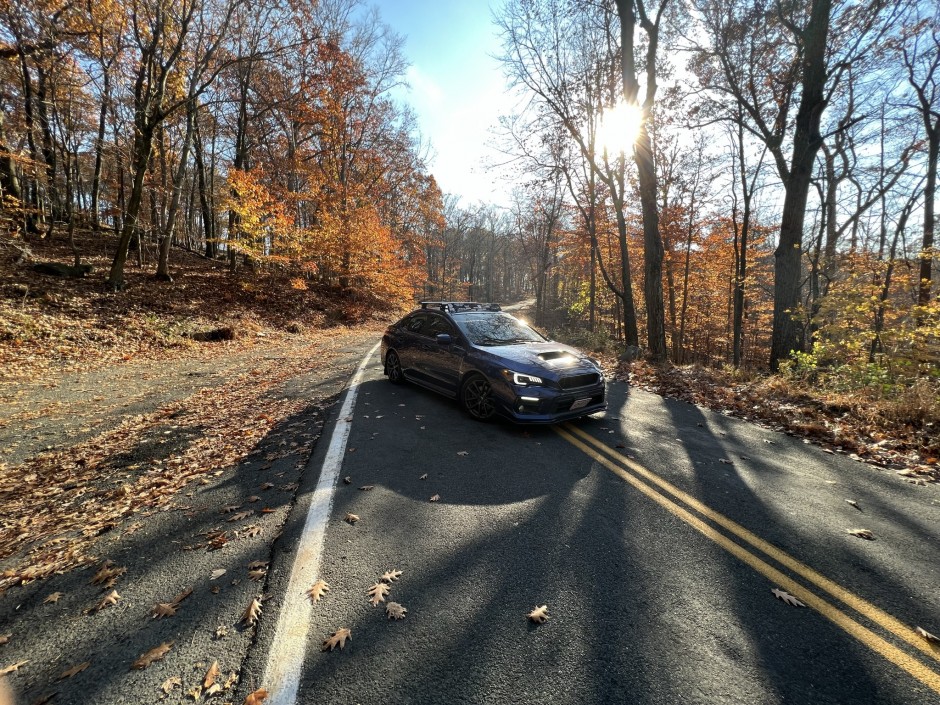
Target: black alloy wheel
476 398
393 368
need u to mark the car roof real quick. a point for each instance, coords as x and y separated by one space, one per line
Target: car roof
460 306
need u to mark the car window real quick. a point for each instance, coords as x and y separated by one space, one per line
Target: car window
438 325
416 323
497 329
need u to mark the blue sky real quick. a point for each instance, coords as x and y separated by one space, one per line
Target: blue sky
457 90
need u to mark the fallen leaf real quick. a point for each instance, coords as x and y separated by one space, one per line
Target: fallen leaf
107 572
390 576
255 565
73 670
220 632
257 574
337 638
230 508
43 699
241 515
351 518
253 498
862 534
539 615
725 461
155 654
267 485
182 596
366 488
435 498
4 638
463 452
854 504
927 635
252 612
171 683
787 597
53 598
211 675
163 609
250 531
217 573
347 480
257 697
318 590
195 692
110 599
13 668
423 477
393 610
377 593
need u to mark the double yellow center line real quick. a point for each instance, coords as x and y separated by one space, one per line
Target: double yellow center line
679 503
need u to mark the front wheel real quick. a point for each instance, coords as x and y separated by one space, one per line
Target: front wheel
476 398
393 368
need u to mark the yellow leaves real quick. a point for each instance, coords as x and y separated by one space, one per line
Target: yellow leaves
377 593
318 590
157 653
337 638
539 615
252 613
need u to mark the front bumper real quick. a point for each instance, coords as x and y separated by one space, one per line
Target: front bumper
539 405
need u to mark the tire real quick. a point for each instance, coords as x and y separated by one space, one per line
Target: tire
476 398
393 368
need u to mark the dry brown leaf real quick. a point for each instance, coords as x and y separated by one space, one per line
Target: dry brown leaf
257 697
377 593
253 498
12 668
366 488
257 574
217 573
107 573
43 699
110 599
436 498
73 670
163 609
195 693
171 683
853 503
252 612
347 480
393 610
787 597
927 635
53 598
351 518
539 615
267 485
423 477
337 638
4 638
182 596
318 590
241 515
862 534
230 508
255 565
390 576
250 531
211 675
463 452
155 654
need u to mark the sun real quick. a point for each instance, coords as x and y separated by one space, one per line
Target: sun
618 129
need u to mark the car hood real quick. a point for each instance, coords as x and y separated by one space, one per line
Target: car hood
529 357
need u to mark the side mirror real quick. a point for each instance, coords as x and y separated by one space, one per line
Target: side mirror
444 339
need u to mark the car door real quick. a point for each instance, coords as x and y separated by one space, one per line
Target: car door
444 362
413 349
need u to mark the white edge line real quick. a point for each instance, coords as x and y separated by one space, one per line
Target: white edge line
285 659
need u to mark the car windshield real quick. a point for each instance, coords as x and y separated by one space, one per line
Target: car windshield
496 329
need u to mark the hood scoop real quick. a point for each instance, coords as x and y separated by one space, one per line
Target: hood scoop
558 358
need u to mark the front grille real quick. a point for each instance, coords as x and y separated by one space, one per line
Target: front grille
579 380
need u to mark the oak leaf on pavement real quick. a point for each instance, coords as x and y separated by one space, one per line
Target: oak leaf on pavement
787 597
337 638
318 590
377 593
539 615
157 653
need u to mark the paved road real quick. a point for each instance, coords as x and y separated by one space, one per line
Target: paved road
655 535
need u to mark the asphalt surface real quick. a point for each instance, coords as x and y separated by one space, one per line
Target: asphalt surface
643 608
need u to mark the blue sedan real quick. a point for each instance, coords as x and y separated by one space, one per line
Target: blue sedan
492 363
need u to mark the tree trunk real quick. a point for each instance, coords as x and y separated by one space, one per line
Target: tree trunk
930 190
163 267
787 332
99 153
143 148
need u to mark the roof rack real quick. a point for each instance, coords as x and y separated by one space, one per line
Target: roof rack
457 306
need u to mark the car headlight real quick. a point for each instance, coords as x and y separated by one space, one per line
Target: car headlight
521 380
